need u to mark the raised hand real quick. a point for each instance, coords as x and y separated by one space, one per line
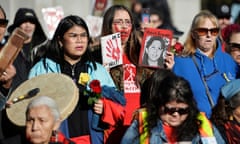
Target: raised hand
113 51
7 76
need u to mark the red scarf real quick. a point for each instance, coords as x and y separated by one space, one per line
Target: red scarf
169 134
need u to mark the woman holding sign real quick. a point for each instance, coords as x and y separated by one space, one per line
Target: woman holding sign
118 18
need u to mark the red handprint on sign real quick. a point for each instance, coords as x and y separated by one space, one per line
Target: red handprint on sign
113 51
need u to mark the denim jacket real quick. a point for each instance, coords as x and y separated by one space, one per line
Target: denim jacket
158 135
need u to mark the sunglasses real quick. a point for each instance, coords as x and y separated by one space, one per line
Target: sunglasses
3 22
234 45
224 17
180 111
204 31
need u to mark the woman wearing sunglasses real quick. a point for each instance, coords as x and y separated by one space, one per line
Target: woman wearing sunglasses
231 36
171 116
203 63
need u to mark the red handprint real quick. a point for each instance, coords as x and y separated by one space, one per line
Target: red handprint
113 52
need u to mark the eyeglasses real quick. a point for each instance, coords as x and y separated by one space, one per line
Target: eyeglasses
234 45
204 31
121 22
180 111
154 21
75 35
3 22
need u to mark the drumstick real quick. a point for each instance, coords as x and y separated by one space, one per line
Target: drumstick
30 94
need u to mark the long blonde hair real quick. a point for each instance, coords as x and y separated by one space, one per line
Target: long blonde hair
190 43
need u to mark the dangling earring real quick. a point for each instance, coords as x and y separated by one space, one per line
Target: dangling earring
60 42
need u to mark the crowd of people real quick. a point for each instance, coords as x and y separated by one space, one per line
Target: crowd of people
193 97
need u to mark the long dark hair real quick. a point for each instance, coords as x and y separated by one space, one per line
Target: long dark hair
223 110
152 82
173 88
133 46
22 16
148 44
54 50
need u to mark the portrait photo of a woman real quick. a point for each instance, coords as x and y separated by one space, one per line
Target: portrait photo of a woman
154 51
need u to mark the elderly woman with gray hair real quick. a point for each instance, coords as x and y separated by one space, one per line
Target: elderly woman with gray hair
42 122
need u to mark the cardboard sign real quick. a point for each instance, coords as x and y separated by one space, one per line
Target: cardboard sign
94 25
111 50
52 17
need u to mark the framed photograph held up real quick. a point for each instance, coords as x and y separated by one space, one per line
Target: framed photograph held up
155 43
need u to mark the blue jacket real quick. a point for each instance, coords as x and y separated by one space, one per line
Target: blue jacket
100 74
52 67
158 135
213 67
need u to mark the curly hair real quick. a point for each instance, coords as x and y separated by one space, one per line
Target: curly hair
223 110
173 88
